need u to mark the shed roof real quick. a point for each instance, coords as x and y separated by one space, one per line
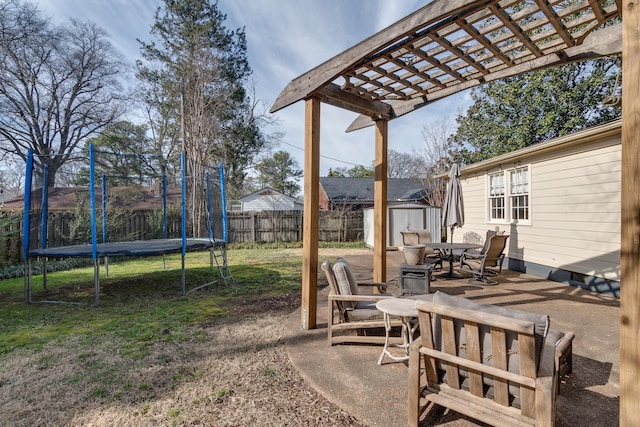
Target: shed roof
451 45
361 189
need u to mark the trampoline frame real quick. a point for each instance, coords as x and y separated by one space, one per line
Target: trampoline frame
95 250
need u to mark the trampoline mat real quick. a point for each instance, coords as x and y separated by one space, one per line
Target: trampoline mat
134 248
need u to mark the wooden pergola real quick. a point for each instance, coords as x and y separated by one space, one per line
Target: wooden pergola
452 45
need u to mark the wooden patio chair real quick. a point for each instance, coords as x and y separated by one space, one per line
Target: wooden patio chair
421 237
352 313
487 362
487 263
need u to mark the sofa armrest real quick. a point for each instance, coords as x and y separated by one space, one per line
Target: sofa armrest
564 343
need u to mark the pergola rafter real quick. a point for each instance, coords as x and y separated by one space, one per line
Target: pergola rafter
451 46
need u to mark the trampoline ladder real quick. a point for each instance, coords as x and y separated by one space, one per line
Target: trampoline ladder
220 257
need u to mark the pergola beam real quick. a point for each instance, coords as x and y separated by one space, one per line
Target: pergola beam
333 95
601 43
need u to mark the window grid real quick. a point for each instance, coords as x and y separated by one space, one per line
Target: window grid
516 181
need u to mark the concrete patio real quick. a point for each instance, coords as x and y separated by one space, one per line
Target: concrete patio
348 375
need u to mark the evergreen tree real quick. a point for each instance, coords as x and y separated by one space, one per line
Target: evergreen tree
277 172
123 152
521 111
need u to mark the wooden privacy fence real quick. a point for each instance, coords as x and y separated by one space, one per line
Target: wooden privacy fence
73 227
286 226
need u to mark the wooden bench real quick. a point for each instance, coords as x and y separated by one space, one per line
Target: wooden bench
491 366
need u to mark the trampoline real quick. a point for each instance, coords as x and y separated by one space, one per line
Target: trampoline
139 248
134 248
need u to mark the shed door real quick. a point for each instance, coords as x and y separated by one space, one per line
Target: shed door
403 220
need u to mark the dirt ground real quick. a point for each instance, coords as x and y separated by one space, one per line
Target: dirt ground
238 374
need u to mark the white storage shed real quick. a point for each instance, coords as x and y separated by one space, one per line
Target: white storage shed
404 217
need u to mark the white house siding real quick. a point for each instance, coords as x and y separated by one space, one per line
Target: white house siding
268 202
575 212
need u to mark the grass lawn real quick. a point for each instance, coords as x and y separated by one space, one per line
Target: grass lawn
148 355
139 298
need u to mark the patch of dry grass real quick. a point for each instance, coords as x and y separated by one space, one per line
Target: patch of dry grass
148 357
234 372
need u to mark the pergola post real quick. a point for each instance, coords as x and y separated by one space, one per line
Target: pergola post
380 202
311 214
630 218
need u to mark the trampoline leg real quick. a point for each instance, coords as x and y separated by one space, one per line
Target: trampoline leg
106 266
96 281
27 281
183 279
44 273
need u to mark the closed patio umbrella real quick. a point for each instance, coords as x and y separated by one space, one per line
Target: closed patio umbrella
453 207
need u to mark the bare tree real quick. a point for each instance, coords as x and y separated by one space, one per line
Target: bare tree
58 85
436 157
11 175
404 165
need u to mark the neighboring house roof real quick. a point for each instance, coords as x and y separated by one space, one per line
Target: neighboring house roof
69 198
361 189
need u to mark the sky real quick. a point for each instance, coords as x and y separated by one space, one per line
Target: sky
285 38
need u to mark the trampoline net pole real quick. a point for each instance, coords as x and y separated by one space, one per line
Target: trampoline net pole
26 225
184 224
43 221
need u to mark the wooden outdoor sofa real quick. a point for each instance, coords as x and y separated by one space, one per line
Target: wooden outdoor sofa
485 361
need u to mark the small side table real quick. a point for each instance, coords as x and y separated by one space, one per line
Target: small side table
406 310
414 279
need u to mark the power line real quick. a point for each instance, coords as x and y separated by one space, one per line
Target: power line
324 157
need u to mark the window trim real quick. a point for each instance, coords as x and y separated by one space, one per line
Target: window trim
507 196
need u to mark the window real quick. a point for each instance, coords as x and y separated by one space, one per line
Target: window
496 196
509 195
519 194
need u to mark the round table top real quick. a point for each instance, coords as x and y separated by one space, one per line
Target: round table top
402 307
449 245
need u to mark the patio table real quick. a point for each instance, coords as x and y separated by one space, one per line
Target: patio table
448 246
